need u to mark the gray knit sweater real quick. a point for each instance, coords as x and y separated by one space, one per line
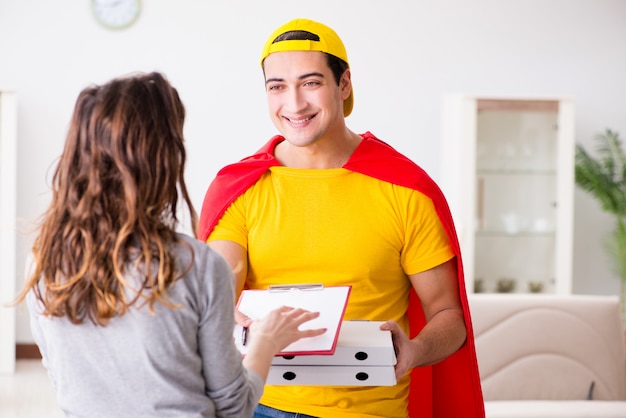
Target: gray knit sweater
175 363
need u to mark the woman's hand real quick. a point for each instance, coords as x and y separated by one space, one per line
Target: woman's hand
272 333
280 327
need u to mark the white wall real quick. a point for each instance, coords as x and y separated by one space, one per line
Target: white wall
405 55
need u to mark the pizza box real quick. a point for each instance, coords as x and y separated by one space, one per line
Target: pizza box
360 343
332 375
364 356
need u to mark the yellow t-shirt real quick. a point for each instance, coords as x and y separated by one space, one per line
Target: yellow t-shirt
337 227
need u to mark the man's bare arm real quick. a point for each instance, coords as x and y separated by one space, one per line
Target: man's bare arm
237 257
444 332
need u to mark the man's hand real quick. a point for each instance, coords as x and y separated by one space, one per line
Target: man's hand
406 350
444 332
242 319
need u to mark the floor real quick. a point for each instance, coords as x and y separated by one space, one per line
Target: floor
28 393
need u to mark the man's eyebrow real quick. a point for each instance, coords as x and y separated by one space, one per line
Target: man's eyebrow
274 80
312 74
302 77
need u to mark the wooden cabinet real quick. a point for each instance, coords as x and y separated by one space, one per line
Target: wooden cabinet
508 174
8 174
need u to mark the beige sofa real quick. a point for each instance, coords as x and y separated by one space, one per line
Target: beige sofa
550 355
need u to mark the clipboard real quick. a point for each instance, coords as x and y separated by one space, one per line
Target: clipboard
329 301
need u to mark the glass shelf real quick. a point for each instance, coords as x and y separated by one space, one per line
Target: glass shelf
516 191
510 188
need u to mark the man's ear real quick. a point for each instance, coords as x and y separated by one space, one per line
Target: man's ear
345 83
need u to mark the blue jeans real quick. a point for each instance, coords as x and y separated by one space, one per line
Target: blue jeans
263 411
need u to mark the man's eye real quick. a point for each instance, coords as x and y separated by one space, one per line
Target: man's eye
312 83
274 87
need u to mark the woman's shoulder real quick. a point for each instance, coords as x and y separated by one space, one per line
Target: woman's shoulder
192 250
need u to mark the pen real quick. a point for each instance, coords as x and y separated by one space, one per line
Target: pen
244 335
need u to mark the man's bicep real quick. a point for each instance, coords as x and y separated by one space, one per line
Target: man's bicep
438 288
237 257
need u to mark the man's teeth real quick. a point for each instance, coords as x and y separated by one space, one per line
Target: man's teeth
301 120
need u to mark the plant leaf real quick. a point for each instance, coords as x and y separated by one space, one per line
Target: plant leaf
604 176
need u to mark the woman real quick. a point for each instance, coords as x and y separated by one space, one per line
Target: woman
132 318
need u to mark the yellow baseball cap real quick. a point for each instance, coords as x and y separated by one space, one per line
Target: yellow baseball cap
328 42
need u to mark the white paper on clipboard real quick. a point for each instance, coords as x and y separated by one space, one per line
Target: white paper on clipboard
329 301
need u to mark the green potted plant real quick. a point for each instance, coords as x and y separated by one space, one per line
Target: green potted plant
604 177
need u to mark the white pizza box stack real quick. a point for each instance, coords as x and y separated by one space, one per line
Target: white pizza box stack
364 356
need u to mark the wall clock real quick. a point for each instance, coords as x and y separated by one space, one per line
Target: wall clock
116 14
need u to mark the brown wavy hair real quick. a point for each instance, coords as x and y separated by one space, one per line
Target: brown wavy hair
115 193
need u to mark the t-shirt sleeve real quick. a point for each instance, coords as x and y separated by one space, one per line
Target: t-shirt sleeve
232 225
426 242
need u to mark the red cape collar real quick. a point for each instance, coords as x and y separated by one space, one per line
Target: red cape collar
372 157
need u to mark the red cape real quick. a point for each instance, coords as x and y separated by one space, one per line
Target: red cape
450 388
